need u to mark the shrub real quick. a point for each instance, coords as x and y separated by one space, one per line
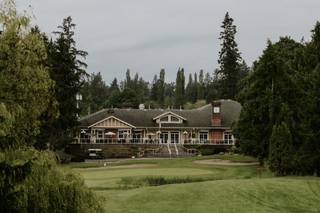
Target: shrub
31 181
129 182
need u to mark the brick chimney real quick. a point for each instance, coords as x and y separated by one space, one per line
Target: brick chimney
216 113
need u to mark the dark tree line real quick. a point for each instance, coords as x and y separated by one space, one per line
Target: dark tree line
280 118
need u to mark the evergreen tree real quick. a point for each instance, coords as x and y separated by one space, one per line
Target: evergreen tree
154 88
201 86
281 154
272 84
180 89
114 86
94 93
127 82
67 70
229 60
195 88
169 94
161 88
189 89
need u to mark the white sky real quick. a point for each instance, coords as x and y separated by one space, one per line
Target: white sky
147 35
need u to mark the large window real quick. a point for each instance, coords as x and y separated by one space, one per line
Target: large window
203 137
227 138
99 134
124 133
137 136
174 137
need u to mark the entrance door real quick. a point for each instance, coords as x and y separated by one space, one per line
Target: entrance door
164 137
174 137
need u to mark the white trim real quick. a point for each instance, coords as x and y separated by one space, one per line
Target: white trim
172 113
113 118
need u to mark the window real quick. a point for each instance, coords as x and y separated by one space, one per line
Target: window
174 119
99 134
85 136
216 109
227 138
169 117
164 119
123 134
203 136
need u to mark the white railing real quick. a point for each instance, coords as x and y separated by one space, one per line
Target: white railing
152 141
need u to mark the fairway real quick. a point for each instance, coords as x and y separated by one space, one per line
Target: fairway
206 188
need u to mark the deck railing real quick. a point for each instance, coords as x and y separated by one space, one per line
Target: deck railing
153 141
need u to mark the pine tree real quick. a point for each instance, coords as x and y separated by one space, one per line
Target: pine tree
229 60
189 89
154 88
272 84
68 71
114 86
94 94
281 154
201 87
180 89
161 88
195 88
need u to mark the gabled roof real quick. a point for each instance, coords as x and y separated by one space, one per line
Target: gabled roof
169 113
111 117
201 117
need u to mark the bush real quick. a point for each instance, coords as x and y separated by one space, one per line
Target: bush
129 182
31 181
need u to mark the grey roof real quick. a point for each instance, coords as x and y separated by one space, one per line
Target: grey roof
200 117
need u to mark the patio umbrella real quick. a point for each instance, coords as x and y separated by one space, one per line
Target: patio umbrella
110 134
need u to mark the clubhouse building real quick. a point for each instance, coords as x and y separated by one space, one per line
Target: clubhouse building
208 125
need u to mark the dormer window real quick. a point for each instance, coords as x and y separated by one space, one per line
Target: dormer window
174 119
164 119
169 117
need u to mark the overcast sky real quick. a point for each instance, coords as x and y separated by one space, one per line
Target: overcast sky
147 35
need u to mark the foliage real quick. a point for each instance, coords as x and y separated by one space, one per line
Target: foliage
229 60
197 104
281 154
24 78
94 93
282 88
68 71
32 182
180 89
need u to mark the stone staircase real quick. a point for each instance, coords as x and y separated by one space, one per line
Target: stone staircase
170 150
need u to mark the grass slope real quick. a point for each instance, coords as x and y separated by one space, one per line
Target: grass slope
251 195
227 189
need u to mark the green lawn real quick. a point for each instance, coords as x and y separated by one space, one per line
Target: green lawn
217 188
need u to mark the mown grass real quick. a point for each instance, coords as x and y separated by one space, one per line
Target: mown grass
179 185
